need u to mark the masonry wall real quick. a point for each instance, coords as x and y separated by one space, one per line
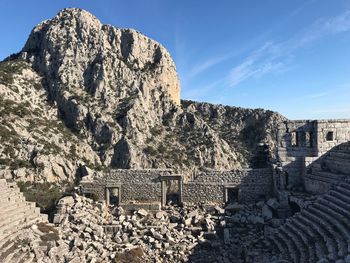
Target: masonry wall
294 148
341 134
134 185
209 186
194 192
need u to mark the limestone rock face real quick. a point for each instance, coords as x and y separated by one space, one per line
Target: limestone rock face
94 95
76 52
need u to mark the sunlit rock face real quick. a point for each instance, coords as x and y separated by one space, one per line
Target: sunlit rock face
100 96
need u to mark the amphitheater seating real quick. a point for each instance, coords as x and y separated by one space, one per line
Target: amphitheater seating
319 231
16 216
330 169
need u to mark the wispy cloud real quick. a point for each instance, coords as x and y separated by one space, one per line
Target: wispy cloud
257 64
274 57
317 95
208 64
200 92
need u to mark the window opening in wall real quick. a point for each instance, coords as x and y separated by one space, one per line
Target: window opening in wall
330 136
114 196
302 139
309 139
232 195
294 139
297 135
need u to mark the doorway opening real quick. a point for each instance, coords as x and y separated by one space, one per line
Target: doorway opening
172 192
232 195
171 189
113 196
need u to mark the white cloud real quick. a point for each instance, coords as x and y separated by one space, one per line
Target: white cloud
274 57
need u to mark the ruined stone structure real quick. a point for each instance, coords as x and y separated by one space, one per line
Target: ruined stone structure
310 152
16 214
314 159
156 186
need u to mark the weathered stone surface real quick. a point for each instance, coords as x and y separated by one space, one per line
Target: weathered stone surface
112 96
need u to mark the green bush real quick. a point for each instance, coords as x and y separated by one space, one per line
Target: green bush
45 195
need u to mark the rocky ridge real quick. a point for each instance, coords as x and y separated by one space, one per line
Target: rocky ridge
83 94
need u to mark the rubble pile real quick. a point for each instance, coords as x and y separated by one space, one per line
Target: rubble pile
92 232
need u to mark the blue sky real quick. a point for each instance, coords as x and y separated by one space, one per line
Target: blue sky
291 56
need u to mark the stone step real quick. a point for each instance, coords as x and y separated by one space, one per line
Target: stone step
336 204
21 258
338 166
13 256
17 222
314 240
324 229
16 215
293 252
343 188
15 206
340 218
276 245
304 240
6 190
10 194
23 211
327 175
346 183
320 178
302 253
342 155
340 196
12 235
323 239
334 228
343 147
14 198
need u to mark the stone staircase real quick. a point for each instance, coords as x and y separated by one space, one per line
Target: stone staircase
16 217
320 231
330 169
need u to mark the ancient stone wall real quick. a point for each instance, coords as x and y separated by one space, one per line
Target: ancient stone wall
194 192
331 133
302 143
211 185
134 185
208 186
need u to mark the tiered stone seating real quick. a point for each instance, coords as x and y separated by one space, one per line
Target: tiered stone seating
16 215
319 231
330 169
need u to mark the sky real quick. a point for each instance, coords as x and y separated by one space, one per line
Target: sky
290 56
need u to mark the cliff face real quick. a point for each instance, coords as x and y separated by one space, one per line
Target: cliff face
104 97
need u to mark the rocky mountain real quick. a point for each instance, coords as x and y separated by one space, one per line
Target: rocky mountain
82 94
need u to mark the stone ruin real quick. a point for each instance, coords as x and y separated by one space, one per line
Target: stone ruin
295 209
153 188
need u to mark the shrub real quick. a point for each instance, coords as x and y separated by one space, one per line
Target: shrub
45 195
